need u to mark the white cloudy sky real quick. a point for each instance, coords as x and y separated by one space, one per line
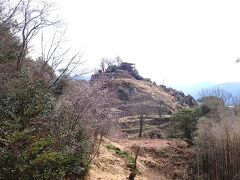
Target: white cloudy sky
179 41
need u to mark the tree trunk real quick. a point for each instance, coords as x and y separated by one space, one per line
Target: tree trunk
141 119
160 116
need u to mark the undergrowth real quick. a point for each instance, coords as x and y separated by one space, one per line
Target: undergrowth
120 153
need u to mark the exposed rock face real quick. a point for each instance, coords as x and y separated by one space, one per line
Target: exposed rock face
125 91
118 74
122 80
129 67
124 68
100 76
189 100
180 96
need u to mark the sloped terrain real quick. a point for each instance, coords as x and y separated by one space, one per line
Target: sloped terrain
130 87
158 160
126 87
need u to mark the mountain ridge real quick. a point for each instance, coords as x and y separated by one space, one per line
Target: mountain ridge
195 89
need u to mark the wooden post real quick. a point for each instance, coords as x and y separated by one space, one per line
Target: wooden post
134 170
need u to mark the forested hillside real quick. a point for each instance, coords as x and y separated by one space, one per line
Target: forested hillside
50 127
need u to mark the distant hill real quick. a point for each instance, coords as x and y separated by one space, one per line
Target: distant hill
193 89
231 87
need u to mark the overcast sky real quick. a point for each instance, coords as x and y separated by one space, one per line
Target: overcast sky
176 41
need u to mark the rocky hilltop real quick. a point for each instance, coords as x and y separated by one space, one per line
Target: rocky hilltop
125 81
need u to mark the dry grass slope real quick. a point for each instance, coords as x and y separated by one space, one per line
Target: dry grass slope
158 160
149 89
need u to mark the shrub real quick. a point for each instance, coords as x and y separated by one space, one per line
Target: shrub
185 121
29 146
120 153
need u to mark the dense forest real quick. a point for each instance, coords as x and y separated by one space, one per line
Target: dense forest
55 126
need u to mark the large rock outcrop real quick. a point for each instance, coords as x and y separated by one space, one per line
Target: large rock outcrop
125 85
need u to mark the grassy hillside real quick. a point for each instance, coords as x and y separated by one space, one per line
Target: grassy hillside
158 160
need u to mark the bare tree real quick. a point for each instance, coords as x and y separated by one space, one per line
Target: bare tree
108 62
56 62
8 13
159 104
220 94
34 16
118 60
216 100
217 145
89 106
25 20
141 105
103 65
217 138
